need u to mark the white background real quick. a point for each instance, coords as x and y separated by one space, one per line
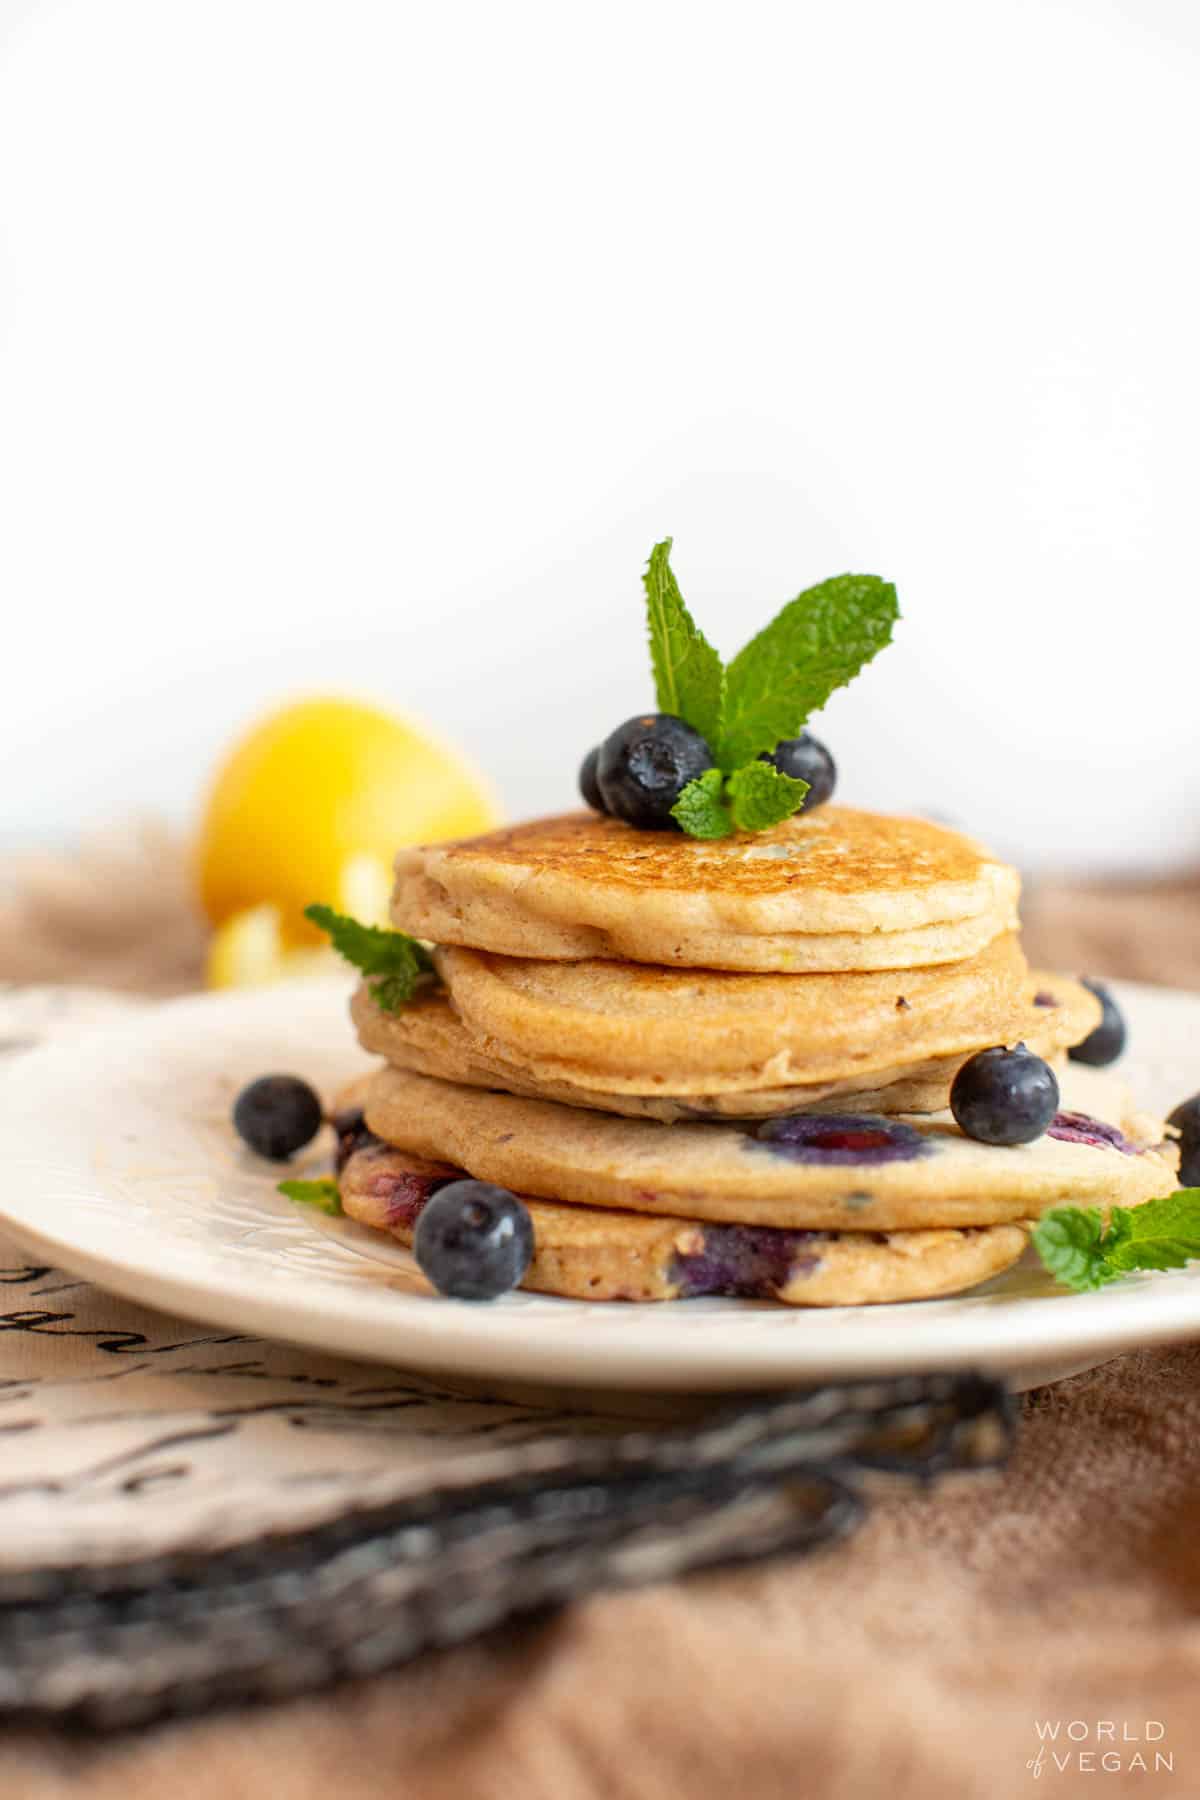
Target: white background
371 346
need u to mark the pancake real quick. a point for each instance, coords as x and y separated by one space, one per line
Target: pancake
430 1038
591 1253
630 1028
890 1174
841 890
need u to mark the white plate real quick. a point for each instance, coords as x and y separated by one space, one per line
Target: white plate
120 1164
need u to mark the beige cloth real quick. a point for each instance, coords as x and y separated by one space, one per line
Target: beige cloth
916 1660
115 913
1139 930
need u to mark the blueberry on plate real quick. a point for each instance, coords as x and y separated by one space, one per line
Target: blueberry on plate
277 1115
474 1241
1105 1044
1004 1096
805 758
1186 1119
350 1129
644 766
589 787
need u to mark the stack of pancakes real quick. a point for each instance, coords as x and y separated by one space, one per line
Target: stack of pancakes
725 1067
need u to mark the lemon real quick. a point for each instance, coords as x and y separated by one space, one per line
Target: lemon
311 804
248 951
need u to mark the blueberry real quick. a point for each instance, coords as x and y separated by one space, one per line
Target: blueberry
277 1115
350 1127
474 1241
842 1140
751 1261
589 787
1081 1128
1106 1043
805 758
645 765
1186 1118
1004 1096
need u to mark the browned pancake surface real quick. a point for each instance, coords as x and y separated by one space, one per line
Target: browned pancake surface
842 890
840 850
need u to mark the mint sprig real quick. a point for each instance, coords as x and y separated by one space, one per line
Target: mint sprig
1085 1253
751 799
393 963
819 641
322 1194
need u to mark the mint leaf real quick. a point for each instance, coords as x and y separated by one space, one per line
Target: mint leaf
1084 1254
817 643
751 799
1175 1214
1069 1242
1160 1234
700 810
760 796
393 963
688 677
321 1194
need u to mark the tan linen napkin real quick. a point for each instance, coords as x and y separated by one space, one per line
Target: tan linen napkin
1139 930
116 912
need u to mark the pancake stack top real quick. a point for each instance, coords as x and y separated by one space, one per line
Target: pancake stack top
791 1004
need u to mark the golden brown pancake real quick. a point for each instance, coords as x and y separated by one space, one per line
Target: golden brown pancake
594 1253
895 1174
430 1038
840 890
632 1028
